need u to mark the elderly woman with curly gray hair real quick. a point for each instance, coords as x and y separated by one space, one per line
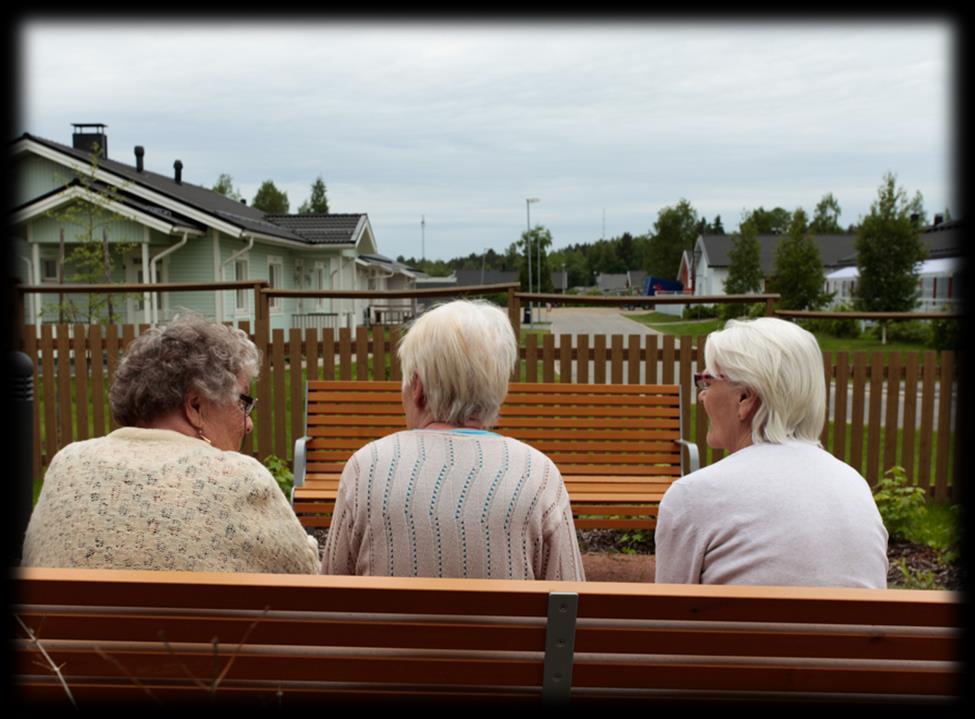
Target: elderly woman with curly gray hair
169 489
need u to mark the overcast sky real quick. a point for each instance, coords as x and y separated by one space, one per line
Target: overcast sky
461 122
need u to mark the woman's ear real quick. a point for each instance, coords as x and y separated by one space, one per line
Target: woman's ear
748 404
417 394
193 409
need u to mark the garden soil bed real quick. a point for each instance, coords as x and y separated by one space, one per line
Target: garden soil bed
617 556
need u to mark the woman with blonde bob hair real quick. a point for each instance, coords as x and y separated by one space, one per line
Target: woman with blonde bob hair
778 509
447 497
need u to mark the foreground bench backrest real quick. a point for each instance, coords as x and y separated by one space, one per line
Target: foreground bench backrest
619 447
277 640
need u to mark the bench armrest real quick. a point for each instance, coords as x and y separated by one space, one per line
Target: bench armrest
299 464
693 457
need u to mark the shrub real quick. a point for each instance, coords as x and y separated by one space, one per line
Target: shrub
699 312
281 472
839 327
945 335
901 504
909 331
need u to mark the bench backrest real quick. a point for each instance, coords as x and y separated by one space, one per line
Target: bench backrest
282 639
626 430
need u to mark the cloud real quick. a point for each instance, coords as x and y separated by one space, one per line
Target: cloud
461 122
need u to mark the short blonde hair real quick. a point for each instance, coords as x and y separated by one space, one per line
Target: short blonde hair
464 353
783 364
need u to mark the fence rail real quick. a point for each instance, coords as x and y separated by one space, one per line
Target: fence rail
895 411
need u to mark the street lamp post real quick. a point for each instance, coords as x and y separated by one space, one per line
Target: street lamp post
528 246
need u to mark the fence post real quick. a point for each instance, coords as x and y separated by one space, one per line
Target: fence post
514 312
22 419
262 334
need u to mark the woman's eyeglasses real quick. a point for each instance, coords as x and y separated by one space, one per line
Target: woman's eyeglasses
703 380
247 403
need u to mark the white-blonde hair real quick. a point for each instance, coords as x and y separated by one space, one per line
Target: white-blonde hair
783 364
463 352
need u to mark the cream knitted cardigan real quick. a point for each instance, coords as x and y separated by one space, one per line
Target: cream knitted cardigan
158 499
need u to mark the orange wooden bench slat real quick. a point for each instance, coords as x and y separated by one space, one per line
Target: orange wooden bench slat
620 438
140 634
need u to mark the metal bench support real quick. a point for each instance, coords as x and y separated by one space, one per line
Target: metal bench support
560 639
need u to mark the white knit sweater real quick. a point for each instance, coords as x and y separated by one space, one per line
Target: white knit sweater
459 503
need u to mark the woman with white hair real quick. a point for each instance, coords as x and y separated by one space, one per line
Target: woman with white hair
447 497
169 489
779 509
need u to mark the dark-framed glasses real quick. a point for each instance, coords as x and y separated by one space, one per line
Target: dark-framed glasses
703 380
247 403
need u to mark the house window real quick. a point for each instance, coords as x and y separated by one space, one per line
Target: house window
240 275
49 270
275 277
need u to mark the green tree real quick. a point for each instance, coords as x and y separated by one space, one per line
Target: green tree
769 222
270 199
539 237
798 274
225 186
318 202
87 226
716 227
889 250
674 231
745 269
826 218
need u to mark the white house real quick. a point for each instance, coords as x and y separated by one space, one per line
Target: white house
705 270
939 276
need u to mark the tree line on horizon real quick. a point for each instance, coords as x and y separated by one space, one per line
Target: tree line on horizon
888 248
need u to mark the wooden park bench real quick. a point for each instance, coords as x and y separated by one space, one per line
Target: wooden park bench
265 640
618 447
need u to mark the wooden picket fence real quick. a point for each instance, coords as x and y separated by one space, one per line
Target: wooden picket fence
75 364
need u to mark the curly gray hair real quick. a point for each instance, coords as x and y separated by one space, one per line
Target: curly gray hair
163 364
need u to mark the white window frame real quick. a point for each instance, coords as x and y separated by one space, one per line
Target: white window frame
275 262
241 296
318 280
133 274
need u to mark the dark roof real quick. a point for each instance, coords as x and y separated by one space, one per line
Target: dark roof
320 229
491 277
944 239
833 249
126 199
201 198
941 240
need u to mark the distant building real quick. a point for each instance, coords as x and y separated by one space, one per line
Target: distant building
939 276
705 270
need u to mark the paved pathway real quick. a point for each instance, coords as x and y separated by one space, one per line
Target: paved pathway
591 321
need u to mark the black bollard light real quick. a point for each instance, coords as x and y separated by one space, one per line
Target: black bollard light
22 415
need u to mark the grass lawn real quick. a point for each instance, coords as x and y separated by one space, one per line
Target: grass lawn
671 325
